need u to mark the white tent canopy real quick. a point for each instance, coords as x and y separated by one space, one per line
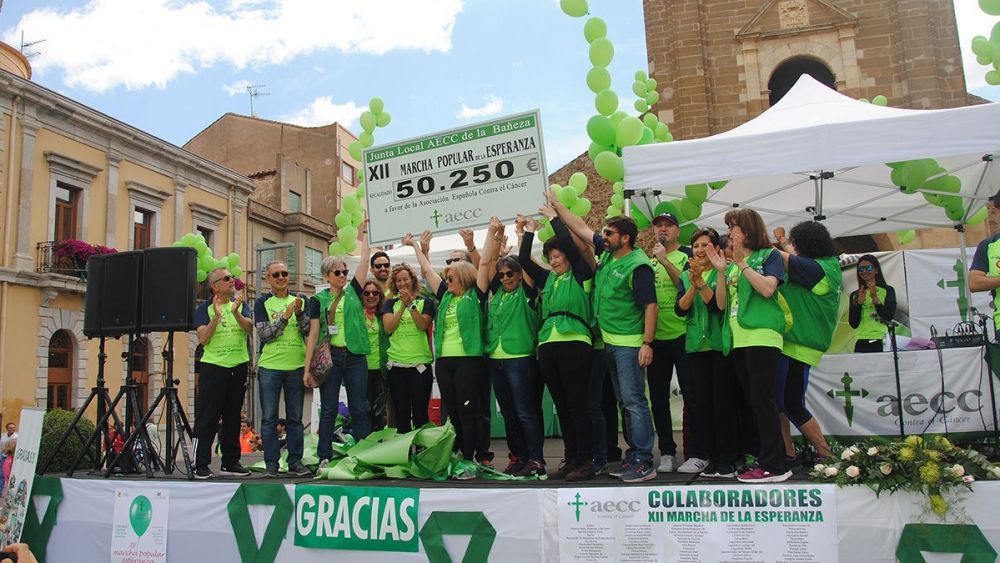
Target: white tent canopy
820 154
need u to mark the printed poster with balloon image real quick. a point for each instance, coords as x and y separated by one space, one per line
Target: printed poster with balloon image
139 530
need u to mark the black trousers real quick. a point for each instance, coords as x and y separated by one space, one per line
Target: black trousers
868 346
461 380
411 392
566 369
719 396
220 396
757 371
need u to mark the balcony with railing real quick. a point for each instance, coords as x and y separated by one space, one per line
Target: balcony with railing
51 260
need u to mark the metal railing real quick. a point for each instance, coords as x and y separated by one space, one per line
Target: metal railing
47 262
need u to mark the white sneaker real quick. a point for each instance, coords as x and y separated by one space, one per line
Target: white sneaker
667 464
693 465
323 463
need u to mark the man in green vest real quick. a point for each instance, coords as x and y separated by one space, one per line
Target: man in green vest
282 359
626 309
984 273
222 325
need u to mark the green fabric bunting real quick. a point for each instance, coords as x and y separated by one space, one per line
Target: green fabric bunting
944 538
239 517
37 531
473 524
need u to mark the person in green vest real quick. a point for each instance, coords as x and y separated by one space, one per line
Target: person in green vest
337 313
755 325
669 261
459 345
716 387
625 305
812 291
372 298
407 319
222 326
511 344
984 272
870 307
282 324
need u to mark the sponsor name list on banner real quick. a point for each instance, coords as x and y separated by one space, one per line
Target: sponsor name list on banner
14 502
139 530
455 179
692 524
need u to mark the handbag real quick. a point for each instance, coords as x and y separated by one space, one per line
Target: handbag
322 359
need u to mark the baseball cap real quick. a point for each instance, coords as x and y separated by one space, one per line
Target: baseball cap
666 216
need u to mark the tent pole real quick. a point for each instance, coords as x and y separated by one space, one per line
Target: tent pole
965 257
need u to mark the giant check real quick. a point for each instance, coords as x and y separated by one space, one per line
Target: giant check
455 179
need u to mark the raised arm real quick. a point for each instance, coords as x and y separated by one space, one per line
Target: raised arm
483 275
468 237
575 224
361 273
537 274
426 269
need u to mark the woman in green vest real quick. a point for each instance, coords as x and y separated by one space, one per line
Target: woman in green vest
716 388
372 296
871 307
756 322
565 347
812 292
458 343
407 318
337 313
511 343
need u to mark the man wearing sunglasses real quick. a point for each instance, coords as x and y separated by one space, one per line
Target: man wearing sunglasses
222 325
282 359
381 266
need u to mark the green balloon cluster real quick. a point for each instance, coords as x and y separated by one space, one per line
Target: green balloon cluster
987 50
374 116
206 262
645 89
348 220
926 173
879 100
570 195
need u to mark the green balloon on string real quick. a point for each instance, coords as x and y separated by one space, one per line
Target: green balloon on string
594 29
236 271
639 89
600 130
628 132
367 139
641 106
342 219
598 78
651 84
618 188
662 131
649 120
579 182
567 196
991 7
606 102
690 210
880 100
978 217
368 121
140 514
233 259
981 46
697 193
202 275
640 218
993 78
574 8
610 166
907 236
351 244
686 232
383 119
595 150
613 211
641 75
618 200
351 204
602 51
356 149
347 233
652 97
718 185
337 249
581 207
376 105
647 136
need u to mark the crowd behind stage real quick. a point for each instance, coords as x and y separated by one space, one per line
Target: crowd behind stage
741 319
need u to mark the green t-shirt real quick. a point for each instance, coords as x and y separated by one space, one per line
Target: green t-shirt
747 337
668 325
452 342
408 345
871 326
373 357
287 351
339 339
228 346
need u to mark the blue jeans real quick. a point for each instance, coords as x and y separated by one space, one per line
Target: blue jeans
516 387
271 382
629 383
351 370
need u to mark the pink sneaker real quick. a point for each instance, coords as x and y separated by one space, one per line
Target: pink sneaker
758 475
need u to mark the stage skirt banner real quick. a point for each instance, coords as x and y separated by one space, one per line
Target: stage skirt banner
262 522
793 523
853 396
455 179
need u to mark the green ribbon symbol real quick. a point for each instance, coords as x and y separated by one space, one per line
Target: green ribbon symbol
944 538
37 531
239 517
140 514
473 524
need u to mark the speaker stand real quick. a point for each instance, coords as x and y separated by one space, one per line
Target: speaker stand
138 434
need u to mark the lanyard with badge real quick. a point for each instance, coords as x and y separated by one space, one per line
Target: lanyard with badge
331 315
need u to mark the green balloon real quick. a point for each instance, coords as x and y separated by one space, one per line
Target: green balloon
981 46
690 210
639 89
618 200
667 207
140 514
617 117
993 78
205 262
628 132
221 264
907 236
641 75
568 196
649 120
897 178
337 249
667 138
383 119
933 199
342 219
351 204
579 182
618 188
697 193
978 217
602 52
594 29
367 139
361 190
355 149
641 106
661 131
233 259
686 232
681 216
718 185
546 233
598 78
368 121
880 100
376 105
189 239
357 219
652 97
236 271
574 8
640 218
991 7
595 150
606 102
613 211
954 212
600 130
202 275
201 247
647 136
984 60
581 207
650 84
351 244
345 234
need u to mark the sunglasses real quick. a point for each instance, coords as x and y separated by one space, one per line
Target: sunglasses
610 232
372 293
277 275
866 268
507 274
381 266
449 279
338 272
224 278
451 261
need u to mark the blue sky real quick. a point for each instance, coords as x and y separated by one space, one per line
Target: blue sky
171 67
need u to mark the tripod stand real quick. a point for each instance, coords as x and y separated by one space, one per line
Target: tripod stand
176 419
994 451
139 436
100 438
895 367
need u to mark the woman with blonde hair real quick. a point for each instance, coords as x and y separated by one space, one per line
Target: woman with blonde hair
407 320
458 342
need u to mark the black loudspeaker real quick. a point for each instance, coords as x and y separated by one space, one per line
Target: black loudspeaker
93 323
120 294
169 287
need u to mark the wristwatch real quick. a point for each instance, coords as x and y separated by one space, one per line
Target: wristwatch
647 343
413 306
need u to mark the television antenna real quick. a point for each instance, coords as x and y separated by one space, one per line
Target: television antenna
25 46
254 91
